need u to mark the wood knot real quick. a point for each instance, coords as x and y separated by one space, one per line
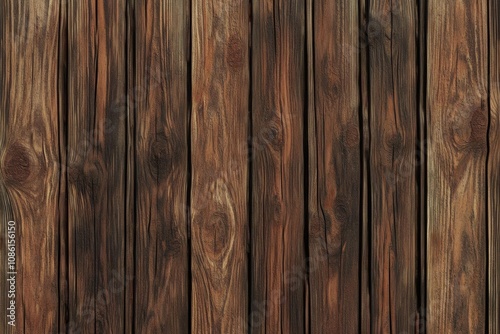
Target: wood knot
234 52
273 136
17 165
394 144
163 153
341 210
216 232
172 244
374 32
350 137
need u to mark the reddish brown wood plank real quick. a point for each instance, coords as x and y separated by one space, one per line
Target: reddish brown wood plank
334 168
391 32
219 200
31 127
96 166
159 98
278 266
457 107
493 181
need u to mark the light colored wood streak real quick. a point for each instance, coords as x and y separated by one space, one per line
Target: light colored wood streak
30 158
219 131
457 123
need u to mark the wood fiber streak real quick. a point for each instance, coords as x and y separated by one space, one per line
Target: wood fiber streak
159 98
334 168
30 157
391 32
219 193
96 166
278 266
493 181
457 105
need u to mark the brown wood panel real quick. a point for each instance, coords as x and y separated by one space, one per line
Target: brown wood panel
493 176
219 192
391 32
31 127
457 107
159 99
334 168
96 166
278 102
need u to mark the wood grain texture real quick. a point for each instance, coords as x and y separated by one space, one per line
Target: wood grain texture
278 65
391 33
457 122
161 152
334 168
219 193
30 156
493 176
96 168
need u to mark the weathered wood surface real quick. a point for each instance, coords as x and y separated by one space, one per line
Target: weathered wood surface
457 122
253 166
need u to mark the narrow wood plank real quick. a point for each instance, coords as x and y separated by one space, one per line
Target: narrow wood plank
219 199
159 99
493 181
391 40
278 259
96 166
457 105
30 159
334 169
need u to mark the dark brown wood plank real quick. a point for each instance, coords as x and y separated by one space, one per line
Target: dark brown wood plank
334 168
219 199
391 41
278 259
457 107
161 143
30 175
96 166
493 181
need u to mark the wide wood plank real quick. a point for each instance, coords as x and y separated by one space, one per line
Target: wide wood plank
391 32
31 128
457 121
96 166
159 98
278 41
219 199
334 168
493 181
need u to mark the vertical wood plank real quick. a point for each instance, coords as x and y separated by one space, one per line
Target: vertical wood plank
161 114
457 107
278 266
334 169
493 181
96 165
391 33
219 207
30 160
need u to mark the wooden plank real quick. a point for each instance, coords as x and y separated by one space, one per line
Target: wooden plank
278 102
219 207
96 168
30 161
457 105
161 117
334 169
493 181
391 35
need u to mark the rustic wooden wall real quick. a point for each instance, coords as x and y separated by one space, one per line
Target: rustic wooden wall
260 166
